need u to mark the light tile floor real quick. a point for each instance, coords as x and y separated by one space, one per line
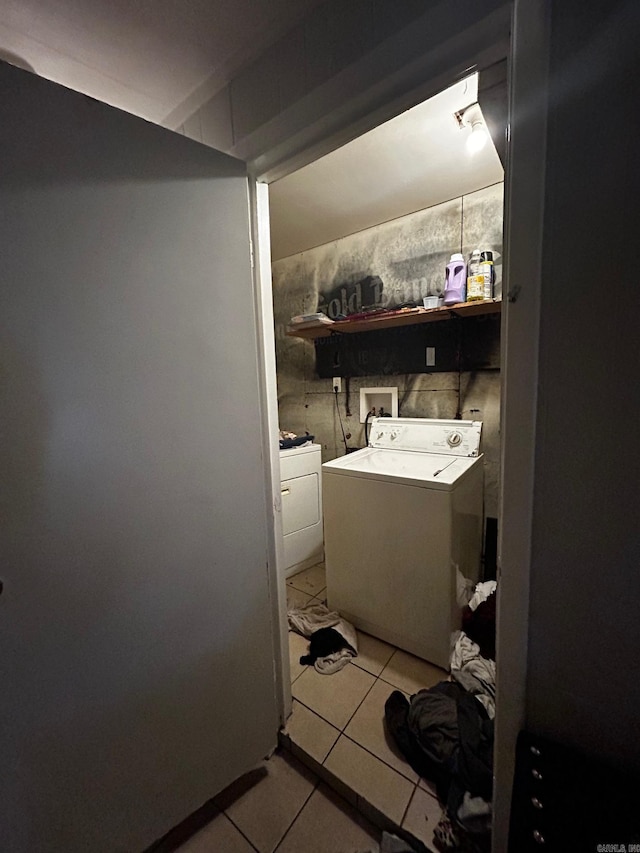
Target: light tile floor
337 727
282 807
338 721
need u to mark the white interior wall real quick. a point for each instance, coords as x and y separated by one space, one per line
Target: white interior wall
136 626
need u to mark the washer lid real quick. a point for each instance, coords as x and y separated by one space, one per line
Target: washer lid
426 435
427 470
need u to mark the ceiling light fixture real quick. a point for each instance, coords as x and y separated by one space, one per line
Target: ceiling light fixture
471 118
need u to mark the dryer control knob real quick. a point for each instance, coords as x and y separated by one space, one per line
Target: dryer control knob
454 439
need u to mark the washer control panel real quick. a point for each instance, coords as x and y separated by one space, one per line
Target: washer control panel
454 439
427 435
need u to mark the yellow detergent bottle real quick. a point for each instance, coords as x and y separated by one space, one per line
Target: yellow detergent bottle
488 273
475 278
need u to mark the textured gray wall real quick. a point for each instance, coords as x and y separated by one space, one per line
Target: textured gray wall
409 254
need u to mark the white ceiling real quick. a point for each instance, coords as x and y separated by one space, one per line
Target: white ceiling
161 59
145 56
413 161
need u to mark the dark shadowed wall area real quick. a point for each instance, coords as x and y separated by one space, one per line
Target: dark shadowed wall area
409 255
583 683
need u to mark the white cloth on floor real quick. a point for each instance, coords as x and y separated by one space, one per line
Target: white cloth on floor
308 620
488 703
475 673
474 814
482 592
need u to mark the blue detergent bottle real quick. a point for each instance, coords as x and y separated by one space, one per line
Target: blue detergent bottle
456 280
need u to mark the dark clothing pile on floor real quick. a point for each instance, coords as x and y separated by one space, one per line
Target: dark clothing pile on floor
446 736
446 732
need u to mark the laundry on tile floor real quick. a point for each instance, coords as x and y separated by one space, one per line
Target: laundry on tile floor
479 619
447 736
473 656
333 640
446 732
447 836
475 673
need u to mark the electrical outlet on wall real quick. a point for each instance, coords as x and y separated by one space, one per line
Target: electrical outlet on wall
336 383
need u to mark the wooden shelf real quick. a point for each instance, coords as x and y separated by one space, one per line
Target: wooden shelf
410 317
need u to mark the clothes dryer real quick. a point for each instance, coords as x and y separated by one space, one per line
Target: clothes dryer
301 495
403 532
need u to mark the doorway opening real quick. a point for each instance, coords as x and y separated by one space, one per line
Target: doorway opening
367 231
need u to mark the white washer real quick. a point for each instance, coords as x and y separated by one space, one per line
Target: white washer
403 531
301 492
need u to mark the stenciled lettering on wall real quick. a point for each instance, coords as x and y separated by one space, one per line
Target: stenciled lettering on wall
348 299
369 292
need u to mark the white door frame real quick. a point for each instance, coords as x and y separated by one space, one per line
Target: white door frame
528 57
522 271
261 261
